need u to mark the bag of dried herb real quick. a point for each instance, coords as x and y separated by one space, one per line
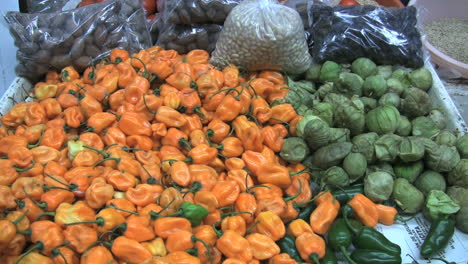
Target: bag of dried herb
263 34
384 35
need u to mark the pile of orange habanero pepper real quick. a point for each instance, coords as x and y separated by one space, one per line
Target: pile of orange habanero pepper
155 157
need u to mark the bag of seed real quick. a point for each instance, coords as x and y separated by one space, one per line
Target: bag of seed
186 38
263 34
384 35
76 37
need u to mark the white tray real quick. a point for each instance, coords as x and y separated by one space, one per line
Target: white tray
410 235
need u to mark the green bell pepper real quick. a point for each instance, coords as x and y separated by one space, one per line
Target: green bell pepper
369 238
340 238
371 256
193 212
439 235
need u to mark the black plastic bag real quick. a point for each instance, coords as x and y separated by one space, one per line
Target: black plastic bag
385 35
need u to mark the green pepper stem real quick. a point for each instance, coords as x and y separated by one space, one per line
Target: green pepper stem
54 187
38 246
156 215
39 141
219 233
287 199
197 110
44 214
208 249
107 159
61 255
346 255
100 152
71 187
21 217
183 143
123 210
311 200
25 232
256 186
237 97
235 213
21 204
99 221
345 217
404 220
314 258
192 251
145 72
42 205
151 179
284 123
146 106
33 163
252 226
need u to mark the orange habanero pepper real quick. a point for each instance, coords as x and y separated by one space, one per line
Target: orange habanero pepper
366 210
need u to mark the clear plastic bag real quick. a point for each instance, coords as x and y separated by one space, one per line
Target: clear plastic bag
56 40
385 35
45 6
263 34
186 38
187 12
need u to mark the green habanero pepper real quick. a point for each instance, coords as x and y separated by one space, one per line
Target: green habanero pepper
345 194
369 238
329 258
193 212
439 235
370 256
340 238
287 244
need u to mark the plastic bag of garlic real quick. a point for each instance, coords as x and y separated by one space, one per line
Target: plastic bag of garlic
263 34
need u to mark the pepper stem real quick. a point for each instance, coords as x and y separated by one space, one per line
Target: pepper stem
183 143
235 213
39 141
197 109
107 159
100 152
311 200
208 250
44 214
21 217
256 186
123 210
404 220
314 258
151 179
25 232
72 187
219 233
33 163
346 255
42 205
345 217
287 199
145 72
146 105
252 226
38 246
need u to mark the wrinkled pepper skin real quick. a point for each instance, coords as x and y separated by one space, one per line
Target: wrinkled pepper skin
287 245
439 235
369 256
